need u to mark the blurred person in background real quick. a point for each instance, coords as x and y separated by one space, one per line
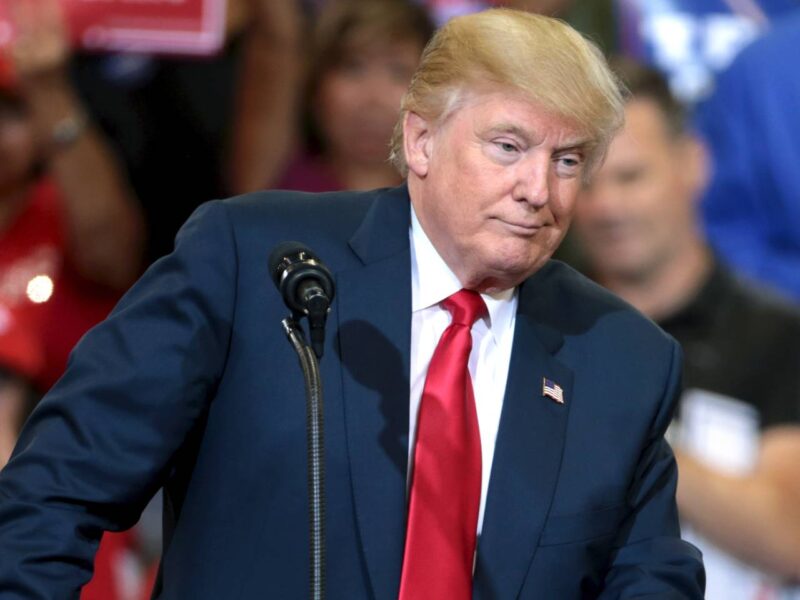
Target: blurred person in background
751 123
171 119
70 229
737 436
692 41
360 63
71 235
21 359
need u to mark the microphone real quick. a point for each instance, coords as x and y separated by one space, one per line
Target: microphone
306 286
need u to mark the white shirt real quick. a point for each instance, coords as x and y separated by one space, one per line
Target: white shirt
431 282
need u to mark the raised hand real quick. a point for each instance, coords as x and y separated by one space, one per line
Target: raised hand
40 47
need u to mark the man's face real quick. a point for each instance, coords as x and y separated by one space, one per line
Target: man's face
639 208
494 185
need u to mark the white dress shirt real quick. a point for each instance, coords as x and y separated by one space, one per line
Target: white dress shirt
431 282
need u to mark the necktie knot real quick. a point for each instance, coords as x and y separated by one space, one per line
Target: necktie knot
466 307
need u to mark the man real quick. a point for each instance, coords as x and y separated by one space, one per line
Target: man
739 424
558 465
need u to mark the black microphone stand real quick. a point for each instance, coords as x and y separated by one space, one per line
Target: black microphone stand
316 465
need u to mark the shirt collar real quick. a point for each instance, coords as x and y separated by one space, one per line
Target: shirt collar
432 280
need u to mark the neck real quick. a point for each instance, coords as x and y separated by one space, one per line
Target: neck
360 176
667 287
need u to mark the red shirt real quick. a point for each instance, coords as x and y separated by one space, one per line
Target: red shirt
38 283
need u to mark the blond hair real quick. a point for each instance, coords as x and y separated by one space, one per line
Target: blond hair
545 59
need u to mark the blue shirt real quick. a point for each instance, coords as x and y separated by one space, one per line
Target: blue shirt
752 123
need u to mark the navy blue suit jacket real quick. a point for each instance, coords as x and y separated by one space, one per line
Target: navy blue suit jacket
191 385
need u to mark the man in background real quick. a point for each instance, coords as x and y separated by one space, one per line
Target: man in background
738 432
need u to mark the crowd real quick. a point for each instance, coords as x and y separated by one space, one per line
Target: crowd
693 218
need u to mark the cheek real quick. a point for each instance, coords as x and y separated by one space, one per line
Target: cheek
337 99
394 94
587 209
656 202
464 213
564 200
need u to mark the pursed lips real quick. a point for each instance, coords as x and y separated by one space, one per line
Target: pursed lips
521 227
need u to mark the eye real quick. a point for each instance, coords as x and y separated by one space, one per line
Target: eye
569 165
630 176
504 150
351 66
507 146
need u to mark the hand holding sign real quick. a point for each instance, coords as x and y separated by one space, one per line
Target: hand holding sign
40 46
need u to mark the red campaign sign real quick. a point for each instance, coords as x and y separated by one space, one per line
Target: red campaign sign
147 26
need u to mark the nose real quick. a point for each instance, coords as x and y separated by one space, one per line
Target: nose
533 181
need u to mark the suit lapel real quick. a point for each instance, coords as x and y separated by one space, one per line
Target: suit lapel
527 456
374 344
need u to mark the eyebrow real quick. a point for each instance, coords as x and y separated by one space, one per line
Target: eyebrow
577 144
512 129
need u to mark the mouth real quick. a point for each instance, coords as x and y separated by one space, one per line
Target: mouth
522 228
614 232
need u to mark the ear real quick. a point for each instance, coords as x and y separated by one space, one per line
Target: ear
417 143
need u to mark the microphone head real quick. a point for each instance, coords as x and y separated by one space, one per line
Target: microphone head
283 256
292 263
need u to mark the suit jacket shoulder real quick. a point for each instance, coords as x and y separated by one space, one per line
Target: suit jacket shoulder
571 305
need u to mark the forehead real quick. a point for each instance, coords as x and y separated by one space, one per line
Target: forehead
645 121
645 131
506 111
369 45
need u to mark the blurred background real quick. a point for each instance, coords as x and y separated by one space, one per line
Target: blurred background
118 119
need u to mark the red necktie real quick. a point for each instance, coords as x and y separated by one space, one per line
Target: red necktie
446 482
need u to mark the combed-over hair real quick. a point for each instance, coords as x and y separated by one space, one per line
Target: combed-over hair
545 59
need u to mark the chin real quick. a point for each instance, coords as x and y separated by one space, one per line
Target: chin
502 276
621 265
518 261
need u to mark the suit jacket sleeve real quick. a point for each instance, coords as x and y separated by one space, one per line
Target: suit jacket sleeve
651 560
102 441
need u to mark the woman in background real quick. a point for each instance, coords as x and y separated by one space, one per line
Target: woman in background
335 133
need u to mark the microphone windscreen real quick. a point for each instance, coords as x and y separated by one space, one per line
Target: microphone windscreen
284 250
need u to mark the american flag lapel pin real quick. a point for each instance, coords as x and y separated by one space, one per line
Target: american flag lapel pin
550 389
